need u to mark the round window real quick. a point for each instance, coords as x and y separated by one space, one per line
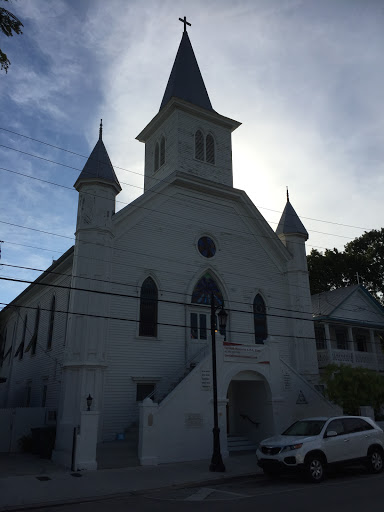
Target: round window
206 247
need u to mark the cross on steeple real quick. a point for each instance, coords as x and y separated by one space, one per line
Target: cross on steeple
184 20
101 129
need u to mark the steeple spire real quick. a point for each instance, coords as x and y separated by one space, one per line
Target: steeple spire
185 81
290 223
99 166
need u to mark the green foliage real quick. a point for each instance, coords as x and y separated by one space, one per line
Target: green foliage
335 269
8 23
351 387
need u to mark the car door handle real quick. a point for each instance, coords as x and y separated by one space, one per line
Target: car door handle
346 440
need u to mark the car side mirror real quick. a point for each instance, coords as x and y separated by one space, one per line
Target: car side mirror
331 433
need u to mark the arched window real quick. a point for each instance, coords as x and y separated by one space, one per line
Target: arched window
51 323
203 290
148 308
199 146
210 149
3 341
260 319
33 343
162 151
156 156
20 351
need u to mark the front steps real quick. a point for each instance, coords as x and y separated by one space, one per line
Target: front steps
238 443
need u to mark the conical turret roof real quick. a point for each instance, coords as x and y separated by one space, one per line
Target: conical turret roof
290 224
185 81
99 166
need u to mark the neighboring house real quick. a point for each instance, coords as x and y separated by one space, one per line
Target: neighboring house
349 328
126 313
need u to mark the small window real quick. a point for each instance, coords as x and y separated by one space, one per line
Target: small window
144 390
162 151
361 342
157 156
210 149
33 343
199 326
199 146
320 336
341 338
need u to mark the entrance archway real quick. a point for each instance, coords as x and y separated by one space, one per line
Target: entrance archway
249 406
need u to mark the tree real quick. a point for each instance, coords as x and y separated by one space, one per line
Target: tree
351 387
8 23
363 256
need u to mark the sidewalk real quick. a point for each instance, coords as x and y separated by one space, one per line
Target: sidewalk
18 491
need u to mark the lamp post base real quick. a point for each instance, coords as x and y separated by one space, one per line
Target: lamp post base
217 463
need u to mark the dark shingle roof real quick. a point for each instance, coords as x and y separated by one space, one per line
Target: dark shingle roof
99 166
185 81
290 223
325 302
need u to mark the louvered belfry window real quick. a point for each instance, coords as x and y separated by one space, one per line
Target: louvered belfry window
199 146
162 151
148 308
157 156
210 149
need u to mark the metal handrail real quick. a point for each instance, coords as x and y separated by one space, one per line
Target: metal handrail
176 376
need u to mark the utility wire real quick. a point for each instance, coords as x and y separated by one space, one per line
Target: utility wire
162 290
161 180
168 301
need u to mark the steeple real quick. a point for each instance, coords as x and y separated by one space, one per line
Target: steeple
98 166
185 81
290 224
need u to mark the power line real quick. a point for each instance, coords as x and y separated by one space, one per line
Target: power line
119 283
168 301
170 197
160 180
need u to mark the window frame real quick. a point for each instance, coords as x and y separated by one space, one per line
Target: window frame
147 304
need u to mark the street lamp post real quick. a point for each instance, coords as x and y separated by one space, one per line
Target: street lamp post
217 463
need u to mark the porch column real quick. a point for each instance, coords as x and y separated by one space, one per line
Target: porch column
351 344
374 348
328 342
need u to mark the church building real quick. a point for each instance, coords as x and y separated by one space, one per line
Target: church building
123 318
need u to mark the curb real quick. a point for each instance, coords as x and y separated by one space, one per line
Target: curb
141 492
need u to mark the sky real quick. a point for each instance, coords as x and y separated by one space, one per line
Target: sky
304 77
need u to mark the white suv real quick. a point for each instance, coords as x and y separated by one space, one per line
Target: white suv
314 443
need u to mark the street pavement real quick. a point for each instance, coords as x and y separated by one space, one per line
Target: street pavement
27 481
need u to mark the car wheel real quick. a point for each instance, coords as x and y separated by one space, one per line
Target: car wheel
315 470
375 461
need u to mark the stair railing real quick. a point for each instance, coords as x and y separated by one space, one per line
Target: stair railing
177 377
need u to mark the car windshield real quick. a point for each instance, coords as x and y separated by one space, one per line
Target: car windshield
305 428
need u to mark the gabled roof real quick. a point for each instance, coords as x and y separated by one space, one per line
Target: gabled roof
185 81
290 224
99 166
326 303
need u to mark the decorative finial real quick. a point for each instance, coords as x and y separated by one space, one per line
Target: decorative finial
184 20
101 130
287 195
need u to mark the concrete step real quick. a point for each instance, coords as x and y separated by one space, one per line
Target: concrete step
237 443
